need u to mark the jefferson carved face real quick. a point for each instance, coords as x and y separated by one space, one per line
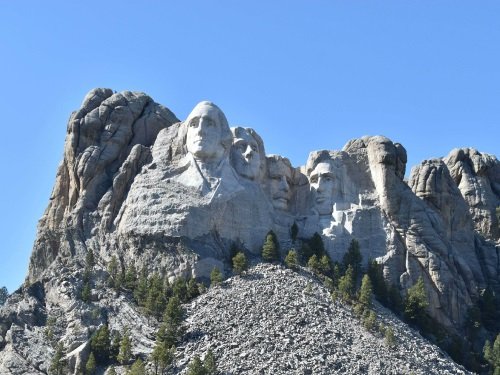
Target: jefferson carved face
245 154
207 132
322 182
280 179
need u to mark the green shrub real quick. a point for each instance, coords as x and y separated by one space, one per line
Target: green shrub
240 263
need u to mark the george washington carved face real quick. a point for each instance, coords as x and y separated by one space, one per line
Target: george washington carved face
208 135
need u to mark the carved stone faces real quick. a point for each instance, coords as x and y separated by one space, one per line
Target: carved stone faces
322 182
208 133
247 153
280 179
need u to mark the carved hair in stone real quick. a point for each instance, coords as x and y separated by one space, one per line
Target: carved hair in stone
280 177
247 153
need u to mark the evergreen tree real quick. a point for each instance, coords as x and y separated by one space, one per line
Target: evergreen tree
209 363
179 289
370 320
294 231
390 339
162 357
347 285
291 259
313 264
141 290
100 344
394 300
324 265
193 289
90 366
174 312
366 292
115 346
336 274
353 258
416 302
58 363
111 371
270 247
86 292
305 252
376 274
155 301
215 277
137 368
196 367
90 260
4 293
316 244
112 271
240 263
125 353
130 277
492 355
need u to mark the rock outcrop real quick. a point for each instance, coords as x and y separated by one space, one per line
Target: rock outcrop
175 197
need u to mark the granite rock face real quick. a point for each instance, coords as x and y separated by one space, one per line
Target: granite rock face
176 197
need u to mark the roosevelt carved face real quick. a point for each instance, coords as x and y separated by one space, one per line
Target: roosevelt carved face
245 154
280 179
322 182
207 133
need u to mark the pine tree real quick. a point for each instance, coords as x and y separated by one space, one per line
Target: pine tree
115 346
193 289
209 363
376 274
141 290
416 302
155 302
130 277
4 293
346 284
316 244
125 353
294 231
112 271
162 357
196 367
179 289
313 263
291 259
324 265
137 368
90 260
100 344
270 247
390 339
111 371
174 312
240 263
366 292
86 292
353 258
492 355
90 366
215 277
58 363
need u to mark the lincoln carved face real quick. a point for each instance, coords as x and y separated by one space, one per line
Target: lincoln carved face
322 182
246 156
208 134
280 179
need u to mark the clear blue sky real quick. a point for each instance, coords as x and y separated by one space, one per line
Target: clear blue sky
306 75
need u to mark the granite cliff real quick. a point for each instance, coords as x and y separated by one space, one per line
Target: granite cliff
174 197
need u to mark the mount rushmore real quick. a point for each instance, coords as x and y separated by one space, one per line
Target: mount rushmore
174 196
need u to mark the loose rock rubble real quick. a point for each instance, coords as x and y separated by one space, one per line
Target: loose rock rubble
276 321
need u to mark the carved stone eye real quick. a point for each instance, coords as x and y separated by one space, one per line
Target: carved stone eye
194 122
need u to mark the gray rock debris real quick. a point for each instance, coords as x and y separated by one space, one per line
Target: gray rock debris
267 322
